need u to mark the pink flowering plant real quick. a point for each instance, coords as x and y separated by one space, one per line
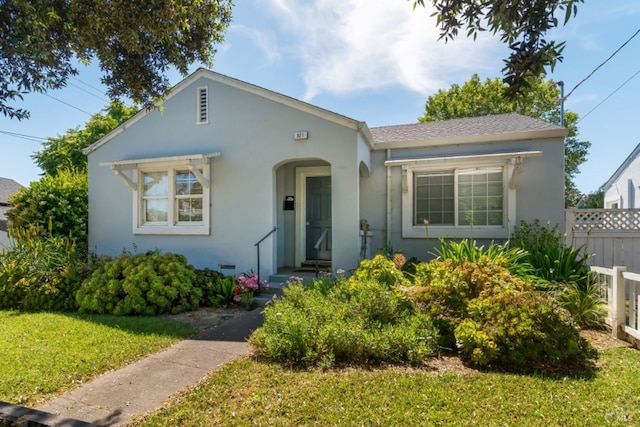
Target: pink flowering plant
246 287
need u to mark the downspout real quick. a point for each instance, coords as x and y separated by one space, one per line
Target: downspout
388 198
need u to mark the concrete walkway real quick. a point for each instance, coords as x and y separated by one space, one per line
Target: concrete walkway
114 398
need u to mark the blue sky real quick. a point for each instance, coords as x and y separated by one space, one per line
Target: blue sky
378 61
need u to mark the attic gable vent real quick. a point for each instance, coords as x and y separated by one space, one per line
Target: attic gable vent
203 106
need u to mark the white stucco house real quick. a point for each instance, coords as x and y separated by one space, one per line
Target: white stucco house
7 188
620 190
224 163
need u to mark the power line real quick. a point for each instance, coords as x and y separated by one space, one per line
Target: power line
88 85
605 61
67 104
609 96
23 136
86 91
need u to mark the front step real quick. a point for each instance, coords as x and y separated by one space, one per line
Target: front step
276 285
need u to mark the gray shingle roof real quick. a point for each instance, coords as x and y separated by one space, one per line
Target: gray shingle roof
7 188
455 128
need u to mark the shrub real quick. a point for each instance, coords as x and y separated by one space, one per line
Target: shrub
57 204
208 280
444 288
40 273
522 330
322 325
379 269
141 284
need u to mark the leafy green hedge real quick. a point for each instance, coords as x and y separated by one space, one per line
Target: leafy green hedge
141 284
56 204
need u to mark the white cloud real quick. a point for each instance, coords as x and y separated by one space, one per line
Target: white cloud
347 46
263 40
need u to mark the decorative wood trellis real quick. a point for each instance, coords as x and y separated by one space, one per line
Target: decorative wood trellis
612 236
605 219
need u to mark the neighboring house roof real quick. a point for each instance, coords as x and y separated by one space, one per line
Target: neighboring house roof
627 162
499 127
7 188
247 87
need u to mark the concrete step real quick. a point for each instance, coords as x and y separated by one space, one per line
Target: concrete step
276 285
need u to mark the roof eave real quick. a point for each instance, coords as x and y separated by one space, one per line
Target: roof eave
625 164
475 139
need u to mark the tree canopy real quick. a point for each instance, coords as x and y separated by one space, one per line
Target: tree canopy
522 25
480 98
65 152
135 43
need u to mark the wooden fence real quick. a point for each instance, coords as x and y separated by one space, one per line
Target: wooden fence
621 291
611 236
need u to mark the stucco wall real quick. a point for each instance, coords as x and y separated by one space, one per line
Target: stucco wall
255 137
539 194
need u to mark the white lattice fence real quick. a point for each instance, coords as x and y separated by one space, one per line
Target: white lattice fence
611 235
606 219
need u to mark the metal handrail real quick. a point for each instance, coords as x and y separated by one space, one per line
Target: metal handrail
257 245
317 247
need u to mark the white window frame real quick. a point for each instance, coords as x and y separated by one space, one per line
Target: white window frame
411 230
202 107
172 225
131 174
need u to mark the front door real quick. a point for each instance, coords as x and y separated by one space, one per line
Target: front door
318 212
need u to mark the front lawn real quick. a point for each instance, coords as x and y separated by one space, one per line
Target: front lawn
44 353
246 392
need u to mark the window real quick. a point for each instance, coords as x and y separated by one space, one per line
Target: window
470 195
459 197
203 106
172 201
170 194
458 202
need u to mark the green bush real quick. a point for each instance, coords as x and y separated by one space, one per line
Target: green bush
40 273
57 204
212 284
344 324
444 288
379 269
521 330
141 284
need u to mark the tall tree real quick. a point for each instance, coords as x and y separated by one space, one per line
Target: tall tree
65 152
135 43
480 98
522 25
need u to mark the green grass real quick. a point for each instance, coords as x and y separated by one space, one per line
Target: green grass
246 392
44 353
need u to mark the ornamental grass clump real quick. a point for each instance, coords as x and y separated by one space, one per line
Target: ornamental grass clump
145 284
40 271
